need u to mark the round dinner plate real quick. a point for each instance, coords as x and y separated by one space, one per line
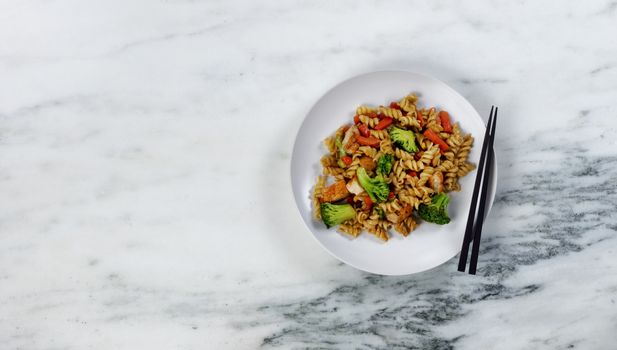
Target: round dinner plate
429 245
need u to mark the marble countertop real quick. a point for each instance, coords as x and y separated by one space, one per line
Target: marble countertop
144 167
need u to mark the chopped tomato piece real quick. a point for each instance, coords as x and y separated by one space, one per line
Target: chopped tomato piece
367 141
356 119
384 123
391 195
364 131
381 116
349 200
420 117
368 202
395 106
444 119
431 135
371 114
346 160
412 173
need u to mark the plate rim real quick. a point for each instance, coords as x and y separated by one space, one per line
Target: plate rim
492 187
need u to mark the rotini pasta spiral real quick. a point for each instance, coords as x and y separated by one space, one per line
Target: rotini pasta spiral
368 151
391 112
402 154
385 146
364 110
351 227
328 160
406 226
333 170
330 144
371 122
408 103
409 121
351 169
380 134
315 198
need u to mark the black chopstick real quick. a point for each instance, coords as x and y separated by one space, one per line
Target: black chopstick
474 198
481 173
477 234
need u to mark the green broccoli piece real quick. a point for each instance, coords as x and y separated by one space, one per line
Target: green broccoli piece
376 187
437 211
384 164
405 139
339 145
334 214
341 151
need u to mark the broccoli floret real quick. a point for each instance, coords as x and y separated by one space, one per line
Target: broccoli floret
334 214
341 151
437 211
376 187
339 146
384 164
405 139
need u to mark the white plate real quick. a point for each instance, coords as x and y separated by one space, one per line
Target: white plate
429 245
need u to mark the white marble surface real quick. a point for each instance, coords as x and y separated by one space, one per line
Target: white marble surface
144 156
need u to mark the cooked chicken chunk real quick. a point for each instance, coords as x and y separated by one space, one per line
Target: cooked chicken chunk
401 215
354 187
368 163
436 182
334 192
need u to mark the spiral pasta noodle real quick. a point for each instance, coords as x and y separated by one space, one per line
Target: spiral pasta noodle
351 169
406 226
315 198
385 146
364 110
408 103
351 227
391 112
410 121
365 119
380 134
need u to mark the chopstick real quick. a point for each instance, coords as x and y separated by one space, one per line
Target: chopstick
474 232
462 262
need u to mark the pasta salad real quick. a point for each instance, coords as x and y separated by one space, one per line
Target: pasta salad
391 168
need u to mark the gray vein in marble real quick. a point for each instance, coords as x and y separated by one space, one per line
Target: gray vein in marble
164 38
602 68
483 81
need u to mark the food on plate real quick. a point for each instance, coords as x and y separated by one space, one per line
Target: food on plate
391 168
